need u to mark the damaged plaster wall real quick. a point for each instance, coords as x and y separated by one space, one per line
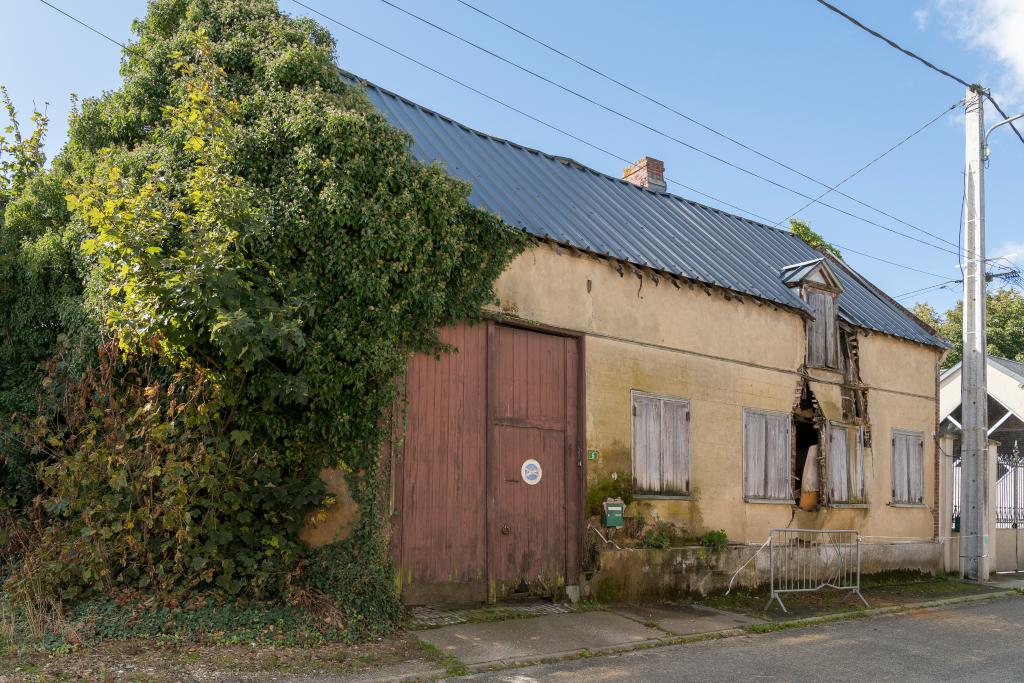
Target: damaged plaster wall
724 355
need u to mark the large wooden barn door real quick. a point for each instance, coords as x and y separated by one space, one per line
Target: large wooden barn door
533 422
440 524
488 486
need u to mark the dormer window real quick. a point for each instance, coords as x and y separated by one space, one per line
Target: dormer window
820 289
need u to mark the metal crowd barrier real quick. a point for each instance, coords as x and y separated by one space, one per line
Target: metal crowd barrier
807 560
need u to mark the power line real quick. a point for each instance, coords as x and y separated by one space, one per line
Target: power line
935 68
82 23
711 129
892 43
662 133
517 110
576 137
924 290
878 258
872 162
452 79
1012 277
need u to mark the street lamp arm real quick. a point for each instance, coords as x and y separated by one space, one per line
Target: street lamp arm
1002 123
1005 121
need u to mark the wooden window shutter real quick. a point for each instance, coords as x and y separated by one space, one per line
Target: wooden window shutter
838 463
899 468
661 445
675 447
831 332
767 455
754 428
822 332
779 466
646 443
915 468
858 468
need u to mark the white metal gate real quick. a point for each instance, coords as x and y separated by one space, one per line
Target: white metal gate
805 560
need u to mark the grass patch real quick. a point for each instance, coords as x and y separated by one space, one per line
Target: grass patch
773 626
203 620
453 665
885 590
166 662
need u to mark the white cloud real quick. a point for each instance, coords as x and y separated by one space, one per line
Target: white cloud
921 18
997 28
1011 250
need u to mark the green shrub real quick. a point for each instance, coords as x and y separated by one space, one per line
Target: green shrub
657 539
606 488
714 540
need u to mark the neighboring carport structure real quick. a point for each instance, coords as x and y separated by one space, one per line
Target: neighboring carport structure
1006 429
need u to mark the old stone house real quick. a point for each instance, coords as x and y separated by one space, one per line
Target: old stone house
696 355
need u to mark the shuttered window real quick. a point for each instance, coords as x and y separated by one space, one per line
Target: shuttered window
844 464
907 466
661 445
767 455
822 332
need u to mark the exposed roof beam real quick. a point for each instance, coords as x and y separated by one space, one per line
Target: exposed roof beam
1001 420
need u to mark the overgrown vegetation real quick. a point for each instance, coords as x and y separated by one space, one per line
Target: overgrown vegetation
213 293
807 234
1004 325
714 540
606 487
659 540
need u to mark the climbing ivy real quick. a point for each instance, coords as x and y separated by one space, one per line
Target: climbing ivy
256 255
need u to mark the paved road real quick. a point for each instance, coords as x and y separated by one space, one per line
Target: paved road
978 642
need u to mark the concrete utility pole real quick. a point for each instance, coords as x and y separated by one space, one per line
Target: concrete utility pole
974 540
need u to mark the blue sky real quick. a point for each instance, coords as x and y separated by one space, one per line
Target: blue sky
787 77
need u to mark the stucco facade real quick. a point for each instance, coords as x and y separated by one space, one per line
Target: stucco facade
724 353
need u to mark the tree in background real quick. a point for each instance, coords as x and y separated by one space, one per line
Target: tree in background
804 232
1004 327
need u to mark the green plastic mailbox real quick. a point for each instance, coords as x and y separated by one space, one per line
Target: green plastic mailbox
613 509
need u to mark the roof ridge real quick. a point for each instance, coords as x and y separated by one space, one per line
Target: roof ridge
564 160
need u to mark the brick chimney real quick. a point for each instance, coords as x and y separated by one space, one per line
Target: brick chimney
647 172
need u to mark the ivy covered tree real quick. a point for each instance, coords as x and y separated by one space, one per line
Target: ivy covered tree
261 250
1004 325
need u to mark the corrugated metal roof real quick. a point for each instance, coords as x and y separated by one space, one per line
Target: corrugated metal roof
559 199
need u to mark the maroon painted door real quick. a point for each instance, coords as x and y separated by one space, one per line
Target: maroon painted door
533 392
468 525
440 479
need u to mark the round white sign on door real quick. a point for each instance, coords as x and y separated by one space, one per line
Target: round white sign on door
531 472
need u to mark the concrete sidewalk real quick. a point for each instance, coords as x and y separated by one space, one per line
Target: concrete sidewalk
614 628
498 637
